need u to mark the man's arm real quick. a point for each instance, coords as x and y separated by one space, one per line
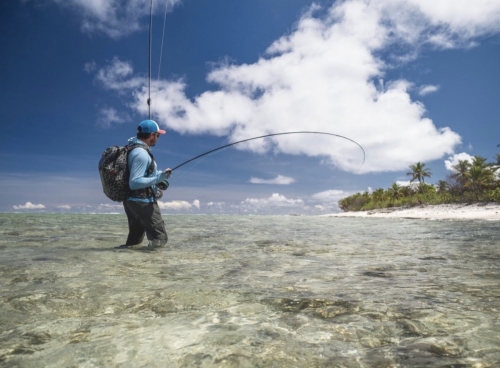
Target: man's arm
139 162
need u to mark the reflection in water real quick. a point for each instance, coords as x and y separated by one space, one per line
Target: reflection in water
237 291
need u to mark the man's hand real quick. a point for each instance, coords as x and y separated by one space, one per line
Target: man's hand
168 172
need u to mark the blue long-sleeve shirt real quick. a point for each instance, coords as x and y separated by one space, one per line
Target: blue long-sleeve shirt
139 161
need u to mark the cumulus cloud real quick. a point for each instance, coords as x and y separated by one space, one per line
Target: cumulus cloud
328 200
109 116
276 203
179 205
404 183
425 90
280 204
90 67
276 199
109 207
114 18
219 205
328 75
333 195
441 22
279 180
118 76
64 207
29 206
453 160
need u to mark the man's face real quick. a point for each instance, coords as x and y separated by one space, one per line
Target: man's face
153 138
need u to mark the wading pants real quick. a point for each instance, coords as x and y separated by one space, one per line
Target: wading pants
145 218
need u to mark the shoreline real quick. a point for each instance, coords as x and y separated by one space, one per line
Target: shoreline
488 211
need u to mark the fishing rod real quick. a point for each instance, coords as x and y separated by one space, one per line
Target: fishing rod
266 136
150 46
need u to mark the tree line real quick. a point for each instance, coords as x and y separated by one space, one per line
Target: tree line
470 182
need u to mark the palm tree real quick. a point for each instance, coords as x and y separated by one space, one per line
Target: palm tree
407 191
378 195
497 158
395 191
419 172
480 178
442 186
461 171
495 166
479 161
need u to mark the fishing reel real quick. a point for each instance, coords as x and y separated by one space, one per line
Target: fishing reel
163 185
160 188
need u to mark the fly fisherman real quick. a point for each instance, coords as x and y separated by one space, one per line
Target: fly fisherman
141 207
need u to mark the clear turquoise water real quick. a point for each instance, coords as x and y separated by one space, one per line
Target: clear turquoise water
236 291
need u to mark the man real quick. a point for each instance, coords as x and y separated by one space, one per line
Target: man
141 207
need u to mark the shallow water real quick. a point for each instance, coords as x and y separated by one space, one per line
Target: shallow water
241 291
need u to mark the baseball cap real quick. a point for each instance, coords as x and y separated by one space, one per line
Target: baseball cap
149 126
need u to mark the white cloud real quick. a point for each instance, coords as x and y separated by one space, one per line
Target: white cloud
279 180
64 207
460 19
327 196
425 90
108 207
29 206
118 76
453 160
216 204
328 200
442 22
320 77
115 18
328 75
90 67
179 205
406 183
276 203
109 116
276 199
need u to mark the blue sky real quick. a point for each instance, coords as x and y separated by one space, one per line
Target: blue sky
410 81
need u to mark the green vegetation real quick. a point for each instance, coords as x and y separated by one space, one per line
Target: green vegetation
470 182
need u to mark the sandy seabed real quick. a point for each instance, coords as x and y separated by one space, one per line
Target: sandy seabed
489 211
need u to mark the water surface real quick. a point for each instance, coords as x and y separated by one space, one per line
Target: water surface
249 291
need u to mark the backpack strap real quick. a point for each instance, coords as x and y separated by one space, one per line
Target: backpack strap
144 192
132 146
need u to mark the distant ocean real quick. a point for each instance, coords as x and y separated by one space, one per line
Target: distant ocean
250 291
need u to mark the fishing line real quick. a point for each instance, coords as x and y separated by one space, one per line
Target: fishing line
162 38
191 167
150 52
161 48
205 154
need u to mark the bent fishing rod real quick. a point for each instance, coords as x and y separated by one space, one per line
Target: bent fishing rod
266 136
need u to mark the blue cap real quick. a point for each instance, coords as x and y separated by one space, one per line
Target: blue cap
149 126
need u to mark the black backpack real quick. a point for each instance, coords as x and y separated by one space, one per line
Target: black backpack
113 169
114 172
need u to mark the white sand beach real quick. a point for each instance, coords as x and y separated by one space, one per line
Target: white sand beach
489 211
